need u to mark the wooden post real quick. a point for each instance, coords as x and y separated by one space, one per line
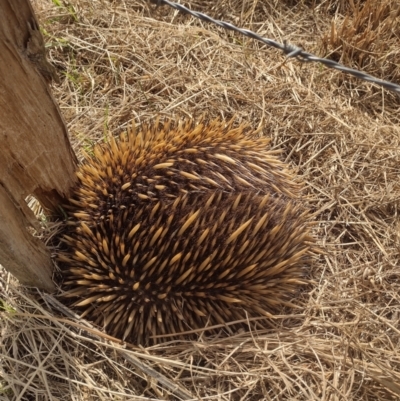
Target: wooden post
35 154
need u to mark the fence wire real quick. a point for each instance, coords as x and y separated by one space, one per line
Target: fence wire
289 49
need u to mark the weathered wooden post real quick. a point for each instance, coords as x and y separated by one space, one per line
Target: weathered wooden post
35 154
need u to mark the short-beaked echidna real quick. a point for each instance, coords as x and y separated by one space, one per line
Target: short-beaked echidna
176 227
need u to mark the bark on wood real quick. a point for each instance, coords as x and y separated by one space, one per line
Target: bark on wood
35 154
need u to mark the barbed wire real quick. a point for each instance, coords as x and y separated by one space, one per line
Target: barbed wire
289 49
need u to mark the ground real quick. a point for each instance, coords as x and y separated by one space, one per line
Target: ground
124 60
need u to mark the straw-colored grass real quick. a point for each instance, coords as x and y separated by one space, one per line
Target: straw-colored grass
125 60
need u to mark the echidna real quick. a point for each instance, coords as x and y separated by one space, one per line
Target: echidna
177 227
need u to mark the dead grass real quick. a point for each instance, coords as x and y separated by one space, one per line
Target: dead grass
366 38
121 61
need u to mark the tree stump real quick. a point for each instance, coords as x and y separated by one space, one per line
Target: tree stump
36 157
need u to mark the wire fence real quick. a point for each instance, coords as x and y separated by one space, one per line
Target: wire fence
289 49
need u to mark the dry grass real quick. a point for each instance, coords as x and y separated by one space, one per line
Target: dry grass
122 60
